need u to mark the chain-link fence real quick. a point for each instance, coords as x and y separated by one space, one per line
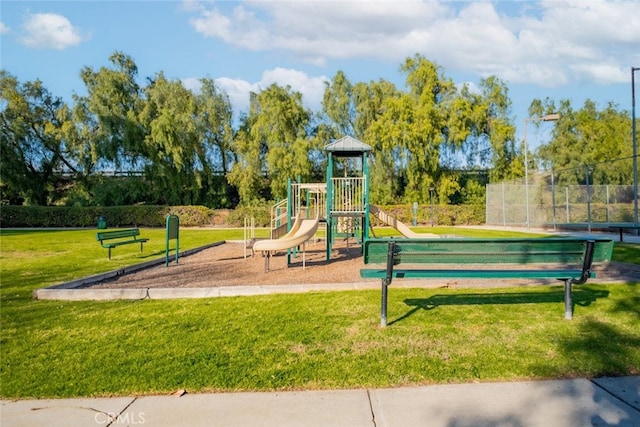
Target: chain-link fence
548 202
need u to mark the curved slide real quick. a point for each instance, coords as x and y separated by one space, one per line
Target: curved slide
401 227
301 231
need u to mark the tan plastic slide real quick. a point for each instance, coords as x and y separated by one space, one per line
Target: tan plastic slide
401 227
302 230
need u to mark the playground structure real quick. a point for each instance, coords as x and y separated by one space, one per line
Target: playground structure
341 204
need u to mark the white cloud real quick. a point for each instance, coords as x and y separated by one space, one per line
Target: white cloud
471 86
547 43
601 73
241 28
50 31
238 91
192 83
4 29
312 88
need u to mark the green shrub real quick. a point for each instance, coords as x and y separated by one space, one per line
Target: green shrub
116 216
194 216
260 212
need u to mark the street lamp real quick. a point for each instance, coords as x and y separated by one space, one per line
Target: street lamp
635 149
547 118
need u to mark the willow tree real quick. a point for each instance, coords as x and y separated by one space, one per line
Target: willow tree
426 136
351 109
33 151
109 113
480 130
214 119
177 164
587 137
409 132
338 105
272 145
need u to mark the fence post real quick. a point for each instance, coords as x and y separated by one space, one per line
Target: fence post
607 204
566 201
553 199
504 209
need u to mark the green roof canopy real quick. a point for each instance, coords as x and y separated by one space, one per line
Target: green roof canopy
347 147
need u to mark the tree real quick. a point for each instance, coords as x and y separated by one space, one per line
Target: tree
339 105
434 131
215 130
492 137
587 137
110 112
351 110
409 133
273 143
176 161
33 152
247 173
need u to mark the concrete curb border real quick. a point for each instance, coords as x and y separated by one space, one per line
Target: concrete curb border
176 293
79 290
75 285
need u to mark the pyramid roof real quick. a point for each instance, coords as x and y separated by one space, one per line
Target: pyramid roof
347 146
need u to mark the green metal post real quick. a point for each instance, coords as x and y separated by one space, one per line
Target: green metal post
173 233
365 222
329 234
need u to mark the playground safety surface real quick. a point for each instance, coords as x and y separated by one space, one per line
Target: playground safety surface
227 265
230 264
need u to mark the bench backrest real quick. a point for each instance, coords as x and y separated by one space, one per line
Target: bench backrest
568 251
118 234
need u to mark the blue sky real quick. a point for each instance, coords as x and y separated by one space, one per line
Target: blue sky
569 49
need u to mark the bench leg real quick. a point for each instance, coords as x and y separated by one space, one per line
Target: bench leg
109 253
383 305
568 303
386 282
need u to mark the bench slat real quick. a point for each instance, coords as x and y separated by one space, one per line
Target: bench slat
118 234
474 274
488 251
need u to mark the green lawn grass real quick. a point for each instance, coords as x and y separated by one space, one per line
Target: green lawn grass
281 342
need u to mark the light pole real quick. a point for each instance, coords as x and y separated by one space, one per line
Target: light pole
547 118
635 149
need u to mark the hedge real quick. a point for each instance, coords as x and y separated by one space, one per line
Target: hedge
115 216
193 216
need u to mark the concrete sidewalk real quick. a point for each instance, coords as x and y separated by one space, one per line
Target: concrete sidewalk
578 402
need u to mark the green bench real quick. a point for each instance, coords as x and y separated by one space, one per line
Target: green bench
112 239
565 259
